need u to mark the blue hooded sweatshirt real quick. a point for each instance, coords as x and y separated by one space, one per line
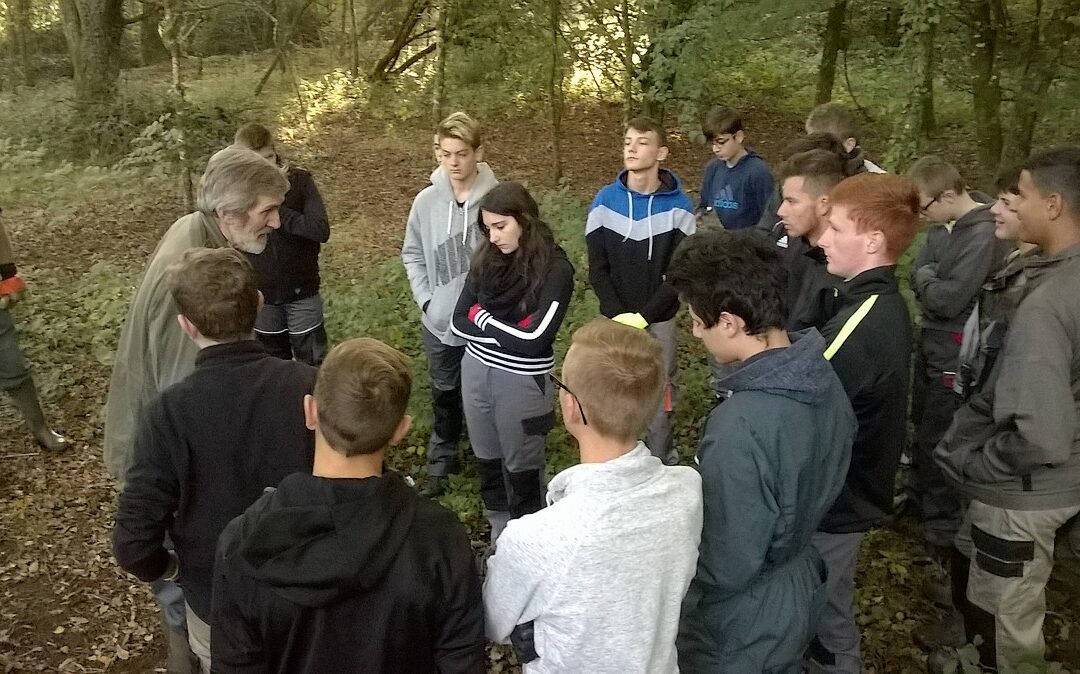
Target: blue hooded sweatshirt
739 193
630 237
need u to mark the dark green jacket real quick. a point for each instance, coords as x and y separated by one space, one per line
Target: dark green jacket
772 460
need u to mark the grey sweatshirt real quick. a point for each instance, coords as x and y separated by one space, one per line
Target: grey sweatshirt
602 570
440 238
951 267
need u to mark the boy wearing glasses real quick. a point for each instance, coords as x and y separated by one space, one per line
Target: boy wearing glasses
772 459
959 255
737 185
594 581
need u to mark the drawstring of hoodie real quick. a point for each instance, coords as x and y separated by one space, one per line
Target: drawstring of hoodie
465 224
648 219
450 221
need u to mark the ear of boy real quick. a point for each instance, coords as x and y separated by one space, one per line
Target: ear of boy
189 329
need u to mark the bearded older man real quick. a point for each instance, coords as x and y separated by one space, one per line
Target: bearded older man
237 205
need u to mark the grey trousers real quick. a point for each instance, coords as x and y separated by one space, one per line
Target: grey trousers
835 648
198 638
294 330
1012 557
170 598
509 416
444 368
659 436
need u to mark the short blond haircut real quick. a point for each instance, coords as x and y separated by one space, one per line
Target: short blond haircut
617 374
234 180
934 176
462 127
361 392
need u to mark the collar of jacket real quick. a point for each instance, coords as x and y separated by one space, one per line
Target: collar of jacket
244 349
213 230
876 281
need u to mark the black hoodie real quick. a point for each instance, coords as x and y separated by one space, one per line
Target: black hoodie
346 575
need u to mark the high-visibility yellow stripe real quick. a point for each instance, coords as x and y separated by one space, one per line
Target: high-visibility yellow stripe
850 325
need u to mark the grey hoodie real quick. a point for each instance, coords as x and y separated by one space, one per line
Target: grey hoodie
602 570
440 238
951 267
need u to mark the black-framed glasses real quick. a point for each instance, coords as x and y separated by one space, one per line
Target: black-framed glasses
929 204
718 141
581 410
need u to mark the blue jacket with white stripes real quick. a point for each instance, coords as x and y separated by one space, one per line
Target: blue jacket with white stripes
631 237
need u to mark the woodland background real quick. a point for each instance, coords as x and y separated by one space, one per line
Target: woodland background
110 108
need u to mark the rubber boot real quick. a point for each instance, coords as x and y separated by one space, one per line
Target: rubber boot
26 401
493 493
526 492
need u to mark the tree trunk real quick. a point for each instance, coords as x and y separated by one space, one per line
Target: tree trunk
832 40
555 86
93 29
1047 46
928 67
438 85
171 35
657 77
354 42
151 48
412 16
20 33
628 61
987 35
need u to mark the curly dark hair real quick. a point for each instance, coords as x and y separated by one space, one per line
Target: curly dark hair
737 272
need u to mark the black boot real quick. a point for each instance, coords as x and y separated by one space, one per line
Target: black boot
526 492
26 401
493 493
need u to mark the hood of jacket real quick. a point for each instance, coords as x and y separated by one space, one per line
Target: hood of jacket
663 203
440 180
799 372
977 215
313 539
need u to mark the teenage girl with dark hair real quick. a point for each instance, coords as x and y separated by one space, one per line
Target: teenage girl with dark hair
512 305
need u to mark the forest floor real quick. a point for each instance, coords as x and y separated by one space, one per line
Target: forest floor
65 605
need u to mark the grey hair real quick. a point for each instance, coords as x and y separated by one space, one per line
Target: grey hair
234 180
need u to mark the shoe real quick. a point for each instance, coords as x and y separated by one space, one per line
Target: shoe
940 661
949 633
25 398
938 589
434 486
